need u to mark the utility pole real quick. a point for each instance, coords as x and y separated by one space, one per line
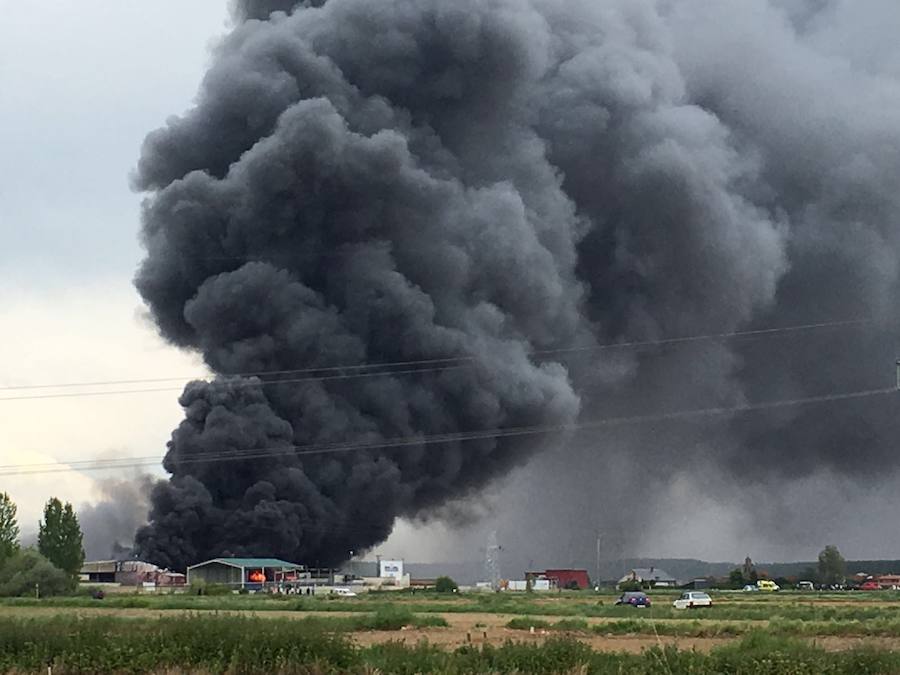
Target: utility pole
492 560
898 373
597 578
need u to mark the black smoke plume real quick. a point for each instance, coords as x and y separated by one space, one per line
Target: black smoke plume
469 188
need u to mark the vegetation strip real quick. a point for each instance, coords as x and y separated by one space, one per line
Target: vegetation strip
786 608
226 644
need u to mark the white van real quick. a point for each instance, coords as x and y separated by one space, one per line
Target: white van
692 599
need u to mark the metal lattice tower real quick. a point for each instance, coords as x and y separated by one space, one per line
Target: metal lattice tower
492 560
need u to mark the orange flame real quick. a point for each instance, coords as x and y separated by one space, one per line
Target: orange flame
257 576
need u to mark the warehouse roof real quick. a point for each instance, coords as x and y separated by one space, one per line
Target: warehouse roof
249 562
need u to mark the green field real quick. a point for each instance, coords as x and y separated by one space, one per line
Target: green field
466 633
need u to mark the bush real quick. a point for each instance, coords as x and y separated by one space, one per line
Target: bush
571 624
445 585
526 623
203 588
27 571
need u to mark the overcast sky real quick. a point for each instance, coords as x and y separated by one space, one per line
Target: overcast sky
83 82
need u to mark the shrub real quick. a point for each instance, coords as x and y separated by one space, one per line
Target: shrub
203 588
445 585
390 618
571 624
630 585
27 572
526 622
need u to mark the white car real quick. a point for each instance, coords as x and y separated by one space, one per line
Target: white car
691 599
343 592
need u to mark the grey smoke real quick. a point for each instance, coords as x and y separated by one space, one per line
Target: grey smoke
371 182
109 524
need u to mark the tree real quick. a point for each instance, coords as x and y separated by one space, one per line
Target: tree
9 529
27 572
832 568
60 538
736 578
445 585
749 571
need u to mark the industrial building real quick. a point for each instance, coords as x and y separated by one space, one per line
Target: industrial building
129 573
244 572
381 573
567 578
561 578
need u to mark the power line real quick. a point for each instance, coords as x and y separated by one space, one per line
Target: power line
449 363
406 441
238 384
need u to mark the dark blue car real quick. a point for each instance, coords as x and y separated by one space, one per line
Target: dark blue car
634 598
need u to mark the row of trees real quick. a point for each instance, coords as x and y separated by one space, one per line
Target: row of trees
52 567
831 570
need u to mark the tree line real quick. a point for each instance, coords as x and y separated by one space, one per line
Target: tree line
50 568
830 571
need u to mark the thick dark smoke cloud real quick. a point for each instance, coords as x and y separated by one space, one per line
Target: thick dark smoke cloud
396 181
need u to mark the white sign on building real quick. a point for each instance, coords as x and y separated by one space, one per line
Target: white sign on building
390 568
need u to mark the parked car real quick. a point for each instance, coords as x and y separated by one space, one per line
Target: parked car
634 598
343 592
768 585
750 588
805 586
692 599
870 586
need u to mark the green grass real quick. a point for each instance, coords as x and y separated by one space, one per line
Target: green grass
578 607
228 644
571 625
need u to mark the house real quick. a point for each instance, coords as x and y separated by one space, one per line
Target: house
243 572
652 577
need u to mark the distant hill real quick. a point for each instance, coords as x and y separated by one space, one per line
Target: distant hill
683 569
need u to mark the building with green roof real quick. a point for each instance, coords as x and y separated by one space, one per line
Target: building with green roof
243 572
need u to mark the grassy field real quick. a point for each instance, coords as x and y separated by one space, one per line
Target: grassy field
466 633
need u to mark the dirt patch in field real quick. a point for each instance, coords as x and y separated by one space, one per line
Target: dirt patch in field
843 643
453 637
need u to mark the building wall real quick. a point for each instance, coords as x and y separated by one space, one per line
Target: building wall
390 568
216 573
565 577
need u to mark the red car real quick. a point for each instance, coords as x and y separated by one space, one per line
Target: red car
870 586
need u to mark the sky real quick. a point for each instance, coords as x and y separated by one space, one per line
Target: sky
82 85
83 82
